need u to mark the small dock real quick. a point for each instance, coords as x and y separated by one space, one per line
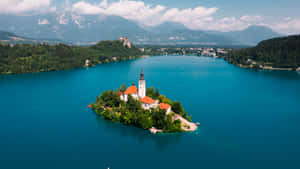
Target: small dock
154 130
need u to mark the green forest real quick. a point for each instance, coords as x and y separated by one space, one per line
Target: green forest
112 108
26 58
277 53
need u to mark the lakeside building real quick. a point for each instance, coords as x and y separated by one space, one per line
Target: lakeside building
165 106
148 103
132 90
126 42
140 94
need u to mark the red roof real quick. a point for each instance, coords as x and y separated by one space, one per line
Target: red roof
131 90
147 100
164 106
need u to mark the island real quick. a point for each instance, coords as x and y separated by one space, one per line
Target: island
147 109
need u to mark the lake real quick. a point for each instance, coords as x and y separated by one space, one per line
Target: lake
249 119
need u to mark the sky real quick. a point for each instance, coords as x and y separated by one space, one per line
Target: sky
282 16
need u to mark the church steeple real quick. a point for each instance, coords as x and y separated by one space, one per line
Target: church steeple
142 75
142 85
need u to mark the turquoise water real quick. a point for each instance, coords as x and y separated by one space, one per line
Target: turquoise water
249 119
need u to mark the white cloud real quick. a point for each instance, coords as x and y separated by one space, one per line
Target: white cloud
288 26
287 18
198 18
43 22
62 18
77 19
135 10
85 8
25 6
144 14
191 18
229 24
251 18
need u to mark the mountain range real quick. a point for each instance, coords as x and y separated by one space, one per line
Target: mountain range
12 38
87 30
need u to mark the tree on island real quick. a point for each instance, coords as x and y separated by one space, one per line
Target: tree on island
150 92
132 104
164 99
111 98
145 120
165 122
123 88
177 108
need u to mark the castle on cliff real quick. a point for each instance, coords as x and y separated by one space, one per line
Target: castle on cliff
126 42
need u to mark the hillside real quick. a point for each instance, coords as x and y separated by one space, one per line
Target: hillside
187 37
252 35
6 35
274 53
166 27
11 38
28 58
116 49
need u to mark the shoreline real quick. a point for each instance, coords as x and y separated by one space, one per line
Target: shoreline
186 126
94 65
264 68
271 68
145 56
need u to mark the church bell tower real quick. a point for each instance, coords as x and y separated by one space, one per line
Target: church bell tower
142 85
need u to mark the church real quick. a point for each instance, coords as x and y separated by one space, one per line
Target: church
140 94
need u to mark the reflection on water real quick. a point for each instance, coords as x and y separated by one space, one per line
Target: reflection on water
282 74
161 140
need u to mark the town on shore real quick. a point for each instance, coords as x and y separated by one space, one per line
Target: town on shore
281 53
196 51
145 108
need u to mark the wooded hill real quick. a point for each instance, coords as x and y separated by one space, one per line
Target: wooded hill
27 58
278 52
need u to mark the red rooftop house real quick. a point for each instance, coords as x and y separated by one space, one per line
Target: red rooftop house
148 103
132 90
165 106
